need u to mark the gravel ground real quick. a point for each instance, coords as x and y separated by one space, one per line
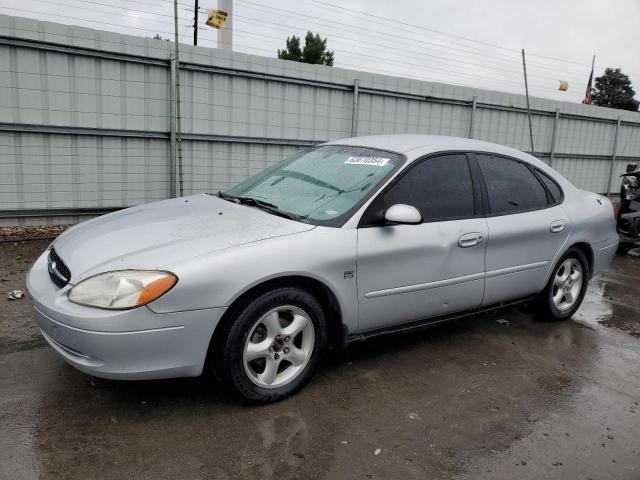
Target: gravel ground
17 329
19 247
12 234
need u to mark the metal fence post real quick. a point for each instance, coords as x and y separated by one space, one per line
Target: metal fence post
554 135
354 113
613 156
172 127
473 116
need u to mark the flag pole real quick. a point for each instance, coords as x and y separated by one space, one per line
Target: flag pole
526 88
587 95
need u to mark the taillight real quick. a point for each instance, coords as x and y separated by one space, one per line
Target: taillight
616 208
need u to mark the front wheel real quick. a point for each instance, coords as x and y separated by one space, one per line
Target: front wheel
566 288
274 344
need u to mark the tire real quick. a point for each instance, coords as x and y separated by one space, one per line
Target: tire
624 247
260 328
548 305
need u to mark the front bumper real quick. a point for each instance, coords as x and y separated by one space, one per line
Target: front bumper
122 344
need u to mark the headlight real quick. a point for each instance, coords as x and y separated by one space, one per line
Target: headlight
122 289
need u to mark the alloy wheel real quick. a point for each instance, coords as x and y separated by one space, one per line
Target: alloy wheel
567 284
278 347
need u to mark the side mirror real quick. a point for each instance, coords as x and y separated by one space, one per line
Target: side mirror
400 213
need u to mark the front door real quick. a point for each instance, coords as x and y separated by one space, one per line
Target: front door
412 272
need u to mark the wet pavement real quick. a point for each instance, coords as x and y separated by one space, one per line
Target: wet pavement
499 396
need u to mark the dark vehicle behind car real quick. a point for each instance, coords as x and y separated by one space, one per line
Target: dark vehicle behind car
628 218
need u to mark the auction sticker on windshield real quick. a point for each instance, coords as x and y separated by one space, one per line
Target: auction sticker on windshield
377 161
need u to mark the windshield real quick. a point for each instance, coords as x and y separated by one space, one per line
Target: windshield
323 185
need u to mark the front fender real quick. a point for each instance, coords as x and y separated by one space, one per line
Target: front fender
218 279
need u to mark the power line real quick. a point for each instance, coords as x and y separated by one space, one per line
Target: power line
332 24
386 20
118 13
359 54
421 27
119 8
347 52
39 13
403 52
251 19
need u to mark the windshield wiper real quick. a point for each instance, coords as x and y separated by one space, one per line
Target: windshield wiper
261 204
309 179
225 196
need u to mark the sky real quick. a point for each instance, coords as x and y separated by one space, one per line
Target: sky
464 42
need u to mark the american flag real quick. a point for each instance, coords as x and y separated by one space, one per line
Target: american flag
587 95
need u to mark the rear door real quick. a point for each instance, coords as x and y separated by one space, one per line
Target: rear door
412 272
527 227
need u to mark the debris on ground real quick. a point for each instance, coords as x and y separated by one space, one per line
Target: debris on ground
32 231
502 321
377 452
634 252
15 295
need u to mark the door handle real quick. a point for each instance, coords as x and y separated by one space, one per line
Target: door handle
557 226
470 240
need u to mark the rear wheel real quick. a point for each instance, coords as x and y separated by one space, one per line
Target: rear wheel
566 288
273 346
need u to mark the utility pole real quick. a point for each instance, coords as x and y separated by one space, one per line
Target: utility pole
526 88
195 23
225 35
177 86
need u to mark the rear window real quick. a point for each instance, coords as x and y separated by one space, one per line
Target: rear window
552 186
511 186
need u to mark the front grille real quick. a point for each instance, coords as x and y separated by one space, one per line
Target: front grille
58 271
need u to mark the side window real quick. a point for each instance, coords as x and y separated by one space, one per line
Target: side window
511 186
439 187
552 186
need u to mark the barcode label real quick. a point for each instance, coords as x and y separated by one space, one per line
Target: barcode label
377 161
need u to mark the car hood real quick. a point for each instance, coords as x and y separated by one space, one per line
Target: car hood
158 235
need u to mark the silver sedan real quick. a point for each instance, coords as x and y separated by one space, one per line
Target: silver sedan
342 242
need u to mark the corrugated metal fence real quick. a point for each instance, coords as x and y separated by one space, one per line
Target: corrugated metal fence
86 119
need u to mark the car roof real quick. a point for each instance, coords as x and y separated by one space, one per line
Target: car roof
404 143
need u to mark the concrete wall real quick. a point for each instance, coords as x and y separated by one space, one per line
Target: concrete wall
85 117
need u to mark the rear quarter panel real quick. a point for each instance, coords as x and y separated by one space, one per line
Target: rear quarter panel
593 223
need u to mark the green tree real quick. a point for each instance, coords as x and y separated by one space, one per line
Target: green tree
314 50
613 89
